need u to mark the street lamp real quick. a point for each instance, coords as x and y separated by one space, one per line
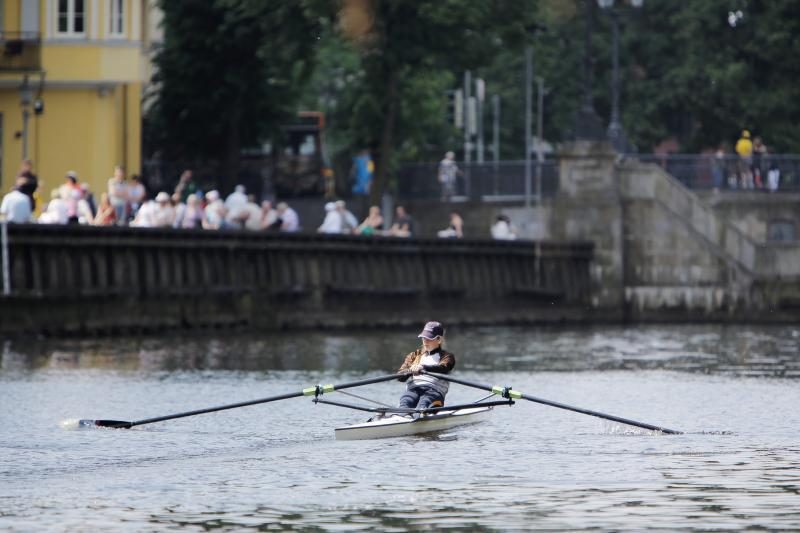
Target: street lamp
587 123
25 100
615 132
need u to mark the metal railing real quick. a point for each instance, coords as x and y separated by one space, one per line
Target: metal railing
769 172
506 180
479 181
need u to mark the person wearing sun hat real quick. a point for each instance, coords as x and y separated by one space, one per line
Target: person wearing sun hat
423 390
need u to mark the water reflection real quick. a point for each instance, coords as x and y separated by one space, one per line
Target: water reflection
762 351
13 361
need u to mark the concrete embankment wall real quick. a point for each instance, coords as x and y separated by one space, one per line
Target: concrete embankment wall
83 280
662 252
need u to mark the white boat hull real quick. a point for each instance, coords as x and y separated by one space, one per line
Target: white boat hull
401 426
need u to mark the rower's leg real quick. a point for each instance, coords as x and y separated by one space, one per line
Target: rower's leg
431 398
409 399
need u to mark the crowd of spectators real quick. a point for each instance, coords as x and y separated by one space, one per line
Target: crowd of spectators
754 168
339 220
126 202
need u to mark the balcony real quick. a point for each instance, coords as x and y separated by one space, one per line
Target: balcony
21 52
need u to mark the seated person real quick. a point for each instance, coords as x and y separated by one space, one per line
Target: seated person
403 223
373 224
455 230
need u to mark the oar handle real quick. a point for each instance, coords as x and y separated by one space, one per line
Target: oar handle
513 394
368 381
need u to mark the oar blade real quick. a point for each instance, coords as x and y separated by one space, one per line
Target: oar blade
115 424
85 423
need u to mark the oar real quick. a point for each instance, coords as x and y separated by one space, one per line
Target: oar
309 391
506 392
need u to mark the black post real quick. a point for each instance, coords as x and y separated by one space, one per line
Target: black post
615 133
587 123
528 112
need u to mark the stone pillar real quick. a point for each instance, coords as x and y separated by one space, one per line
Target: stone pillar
589 208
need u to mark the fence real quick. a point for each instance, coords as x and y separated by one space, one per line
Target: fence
87 279
479 181
730 172
484 181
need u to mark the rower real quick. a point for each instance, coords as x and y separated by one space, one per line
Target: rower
423 390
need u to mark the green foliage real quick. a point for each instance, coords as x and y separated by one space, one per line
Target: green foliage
691 75
231 71
228 73
686 73
409 53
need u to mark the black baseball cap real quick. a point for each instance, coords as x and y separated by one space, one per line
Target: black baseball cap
432 330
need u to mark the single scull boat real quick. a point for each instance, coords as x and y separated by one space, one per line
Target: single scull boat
381 427
398 422
384 425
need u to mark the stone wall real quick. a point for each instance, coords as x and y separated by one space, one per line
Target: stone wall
663 252
588 207
753 212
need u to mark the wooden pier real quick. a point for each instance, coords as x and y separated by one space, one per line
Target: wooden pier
100 280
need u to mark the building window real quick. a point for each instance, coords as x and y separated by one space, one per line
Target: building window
781 231
71 18
116 18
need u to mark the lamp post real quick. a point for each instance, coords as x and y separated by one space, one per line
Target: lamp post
25 100
587 123
528 113
615 132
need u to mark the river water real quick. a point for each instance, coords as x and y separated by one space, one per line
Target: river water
733 390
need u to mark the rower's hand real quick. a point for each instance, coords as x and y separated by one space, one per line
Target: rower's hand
416 369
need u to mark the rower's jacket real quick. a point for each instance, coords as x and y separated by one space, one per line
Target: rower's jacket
439 361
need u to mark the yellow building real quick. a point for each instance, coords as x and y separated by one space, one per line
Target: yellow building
71 78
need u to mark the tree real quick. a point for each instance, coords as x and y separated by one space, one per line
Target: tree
409 49
231 71
227 75
702 71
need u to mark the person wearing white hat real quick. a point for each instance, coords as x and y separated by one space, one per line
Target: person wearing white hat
144 217
290 221
423 390
237 199
189 215
56 210
214 211
349 220
251 215
333 220
163 214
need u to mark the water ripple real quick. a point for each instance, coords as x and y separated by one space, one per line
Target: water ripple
732 390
